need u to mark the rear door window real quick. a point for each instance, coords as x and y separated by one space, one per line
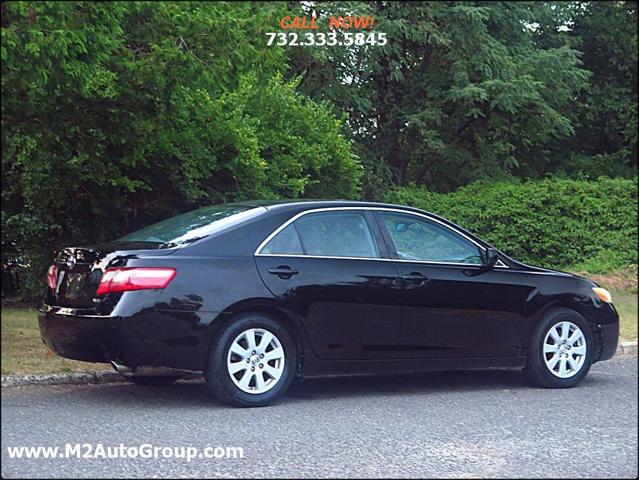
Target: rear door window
336 234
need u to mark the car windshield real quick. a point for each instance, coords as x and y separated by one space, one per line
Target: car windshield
193 225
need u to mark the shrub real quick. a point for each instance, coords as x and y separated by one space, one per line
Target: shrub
552 223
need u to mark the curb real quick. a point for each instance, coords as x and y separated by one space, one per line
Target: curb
74 378
626 348
106 376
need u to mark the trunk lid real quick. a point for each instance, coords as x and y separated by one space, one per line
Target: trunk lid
79 270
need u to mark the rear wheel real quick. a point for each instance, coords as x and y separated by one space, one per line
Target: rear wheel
252 362
560 351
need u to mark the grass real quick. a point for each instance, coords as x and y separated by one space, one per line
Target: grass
626 305
24 352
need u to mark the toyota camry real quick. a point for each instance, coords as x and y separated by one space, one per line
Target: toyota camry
256 294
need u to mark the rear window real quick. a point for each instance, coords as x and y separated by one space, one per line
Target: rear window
193 225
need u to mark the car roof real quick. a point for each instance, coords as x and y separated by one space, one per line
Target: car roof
317 203
299 205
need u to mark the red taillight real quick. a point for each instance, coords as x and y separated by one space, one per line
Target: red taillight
51 274
134 278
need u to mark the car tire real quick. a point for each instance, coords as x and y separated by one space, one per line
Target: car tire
245 374
153 381
551 346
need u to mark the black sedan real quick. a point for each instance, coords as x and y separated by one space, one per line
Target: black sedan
254 294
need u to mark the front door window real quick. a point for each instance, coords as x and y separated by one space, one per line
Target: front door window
419 239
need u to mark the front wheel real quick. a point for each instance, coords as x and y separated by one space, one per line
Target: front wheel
252 362
560 351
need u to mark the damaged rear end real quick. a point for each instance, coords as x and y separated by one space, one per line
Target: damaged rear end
98 297
125 302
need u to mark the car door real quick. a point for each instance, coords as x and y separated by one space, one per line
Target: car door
454 305
331 268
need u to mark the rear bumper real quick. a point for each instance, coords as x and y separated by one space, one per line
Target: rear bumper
85 338
149 338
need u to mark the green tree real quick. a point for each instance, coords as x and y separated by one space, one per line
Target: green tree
605 141
462 91
117 114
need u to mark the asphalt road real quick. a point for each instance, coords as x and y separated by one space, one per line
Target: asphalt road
459 424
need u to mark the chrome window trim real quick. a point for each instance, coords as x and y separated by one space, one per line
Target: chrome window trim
292 255
258 253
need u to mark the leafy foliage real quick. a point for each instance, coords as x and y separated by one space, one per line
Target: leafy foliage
131 112
605 141
467 88
115 115
554 223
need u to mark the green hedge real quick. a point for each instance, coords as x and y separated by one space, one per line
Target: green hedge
589 225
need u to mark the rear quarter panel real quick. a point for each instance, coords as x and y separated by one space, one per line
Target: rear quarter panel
216 279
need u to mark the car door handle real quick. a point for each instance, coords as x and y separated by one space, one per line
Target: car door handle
283 271
415 279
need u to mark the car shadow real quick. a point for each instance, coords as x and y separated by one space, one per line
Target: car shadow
402 384
194 393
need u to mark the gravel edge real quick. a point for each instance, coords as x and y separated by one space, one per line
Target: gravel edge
106 376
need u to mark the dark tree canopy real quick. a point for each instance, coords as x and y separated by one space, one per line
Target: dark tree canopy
474 90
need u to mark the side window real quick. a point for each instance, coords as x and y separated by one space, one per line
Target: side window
336 234
285 242
417 238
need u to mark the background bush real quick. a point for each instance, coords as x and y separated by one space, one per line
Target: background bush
555 223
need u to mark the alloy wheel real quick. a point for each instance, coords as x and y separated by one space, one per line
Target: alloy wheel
255 360
564 349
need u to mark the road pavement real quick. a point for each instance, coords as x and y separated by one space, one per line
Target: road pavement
454 424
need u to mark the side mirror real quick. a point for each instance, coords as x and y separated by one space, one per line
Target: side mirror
490 257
